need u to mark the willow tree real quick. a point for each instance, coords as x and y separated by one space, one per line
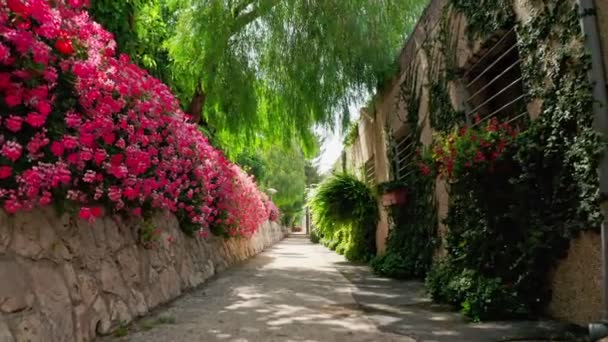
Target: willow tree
272 69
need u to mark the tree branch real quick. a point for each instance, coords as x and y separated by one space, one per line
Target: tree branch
262 8
236 11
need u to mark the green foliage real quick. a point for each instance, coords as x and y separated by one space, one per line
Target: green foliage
345 214
122 330
314 236
285 173
509 224
140 28
253 164
271 69
443 116
412 240
284 170
384 187
479 297
485 16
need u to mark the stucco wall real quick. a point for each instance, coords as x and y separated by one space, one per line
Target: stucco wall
63 279
602 22
577 282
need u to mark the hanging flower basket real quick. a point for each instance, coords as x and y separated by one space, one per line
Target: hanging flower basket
395 196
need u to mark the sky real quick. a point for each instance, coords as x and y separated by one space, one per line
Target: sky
332 146
330 150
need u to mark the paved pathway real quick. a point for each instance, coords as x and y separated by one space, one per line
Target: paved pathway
297 291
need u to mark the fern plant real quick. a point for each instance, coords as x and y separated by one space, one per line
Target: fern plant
345 214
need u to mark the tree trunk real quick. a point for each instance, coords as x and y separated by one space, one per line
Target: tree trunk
195 108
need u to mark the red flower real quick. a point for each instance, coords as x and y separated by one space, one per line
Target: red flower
479 157
96 211
57 148
64 45
18 7
424 169
117 159
85 213
5 171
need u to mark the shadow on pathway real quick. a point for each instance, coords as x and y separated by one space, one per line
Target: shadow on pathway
297 291
403 307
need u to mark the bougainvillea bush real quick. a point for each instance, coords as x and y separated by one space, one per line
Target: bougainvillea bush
84 127
469 150
272 211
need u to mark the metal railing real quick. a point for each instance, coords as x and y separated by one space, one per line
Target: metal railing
497 90
369 170
404 151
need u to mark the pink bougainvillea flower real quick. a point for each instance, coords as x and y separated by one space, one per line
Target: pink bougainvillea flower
11 150
35 120
64 45
57 148
18 7
13 123
85 213
96 212
124 142
5 172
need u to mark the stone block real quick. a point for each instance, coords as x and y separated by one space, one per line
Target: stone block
101 318
88 288
26 234
72 282
111 280
54 300
169 283
5 231
83 329
16 294
119 312
128 260
5 333
31 328
138 303
114 239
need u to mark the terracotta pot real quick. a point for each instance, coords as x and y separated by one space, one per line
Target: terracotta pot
394 197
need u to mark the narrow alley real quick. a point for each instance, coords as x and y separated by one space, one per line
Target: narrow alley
297 291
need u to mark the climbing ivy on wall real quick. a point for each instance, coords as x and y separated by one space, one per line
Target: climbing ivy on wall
444 117
508 227
485 16
412 238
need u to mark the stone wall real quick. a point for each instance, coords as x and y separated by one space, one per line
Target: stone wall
63 279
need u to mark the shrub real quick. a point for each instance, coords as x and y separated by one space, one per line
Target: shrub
314 237
345 212
478 296
508 224
391 265
86 128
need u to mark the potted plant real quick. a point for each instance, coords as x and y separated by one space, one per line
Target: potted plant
393 193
